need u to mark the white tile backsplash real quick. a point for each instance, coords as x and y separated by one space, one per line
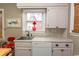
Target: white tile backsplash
52 32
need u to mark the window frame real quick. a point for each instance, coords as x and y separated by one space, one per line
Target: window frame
34 10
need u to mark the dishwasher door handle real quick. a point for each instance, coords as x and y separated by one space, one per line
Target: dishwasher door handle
52 52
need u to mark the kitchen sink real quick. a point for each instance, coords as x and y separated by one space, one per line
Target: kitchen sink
25 38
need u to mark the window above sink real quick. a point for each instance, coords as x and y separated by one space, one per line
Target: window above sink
33 19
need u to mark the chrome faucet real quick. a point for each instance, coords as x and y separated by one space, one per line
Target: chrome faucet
29 35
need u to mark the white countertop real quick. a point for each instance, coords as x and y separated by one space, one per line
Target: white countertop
47 39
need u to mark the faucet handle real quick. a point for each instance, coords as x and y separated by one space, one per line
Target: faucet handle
31 35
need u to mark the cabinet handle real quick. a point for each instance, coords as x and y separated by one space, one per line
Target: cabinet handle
52 51
48 10
62 50
57 27
29 49
67 45
57 45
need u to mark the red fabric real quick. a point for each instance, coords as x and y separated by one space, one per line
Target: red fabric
11 38
34 28
8 45
34 22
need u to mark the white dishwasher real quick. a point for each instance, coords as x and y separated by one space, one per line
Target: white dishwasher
41 49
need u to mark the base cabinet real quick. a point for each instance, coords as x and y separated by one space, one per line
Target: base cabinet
23 52
44 48
62 48
23 48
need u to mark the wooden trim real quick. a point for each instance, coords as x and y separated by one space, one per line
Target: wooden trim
76 4
76 17
2 23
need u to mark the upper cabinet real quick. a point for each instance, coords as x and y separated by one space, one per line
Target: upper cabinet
57 17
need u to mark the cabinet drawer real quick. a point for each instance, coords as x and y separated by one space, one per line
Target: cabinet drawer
22 41
62 45
41 44
23 46
26 45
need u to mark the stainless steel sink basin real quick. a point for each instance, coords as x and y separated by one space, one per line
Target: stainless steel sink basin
25 38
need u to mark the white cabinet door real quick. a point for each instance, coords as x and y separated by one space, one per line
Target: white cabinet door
41 52
62 17
22 52
57 17
67 52
51 18
56 52
62 52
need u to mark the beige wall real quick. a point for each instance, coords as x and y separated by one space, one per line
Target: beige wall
11 11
